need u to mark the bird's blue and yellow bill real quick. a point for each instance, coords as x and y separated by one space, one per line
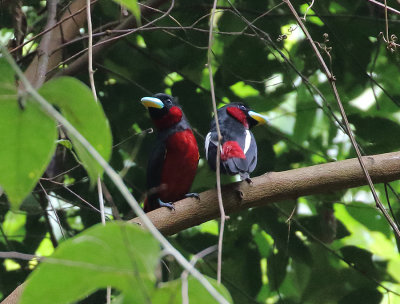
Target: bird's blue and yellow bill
152 102
261 119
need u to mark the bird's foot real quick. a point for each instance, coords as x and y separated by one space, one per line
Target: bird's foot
193 194
249 181
168 205
244 176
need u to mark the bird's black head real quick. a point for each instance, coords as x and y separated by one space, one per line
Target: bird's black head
163 109
244 115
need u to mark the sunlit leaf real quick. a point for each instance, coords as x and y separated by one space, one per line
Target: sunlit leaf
131 5
79 107
171 292
27 137
119 255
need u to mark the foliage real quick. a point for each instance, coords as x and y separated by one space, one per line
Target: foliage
336 248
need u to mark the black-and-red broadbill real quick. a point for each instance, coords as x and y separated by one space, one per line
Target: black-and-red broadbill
238 146
173 162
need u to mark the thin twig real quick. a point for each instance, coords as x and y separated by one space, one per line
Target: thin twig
52 209
334 253
308 8
93 87
386 22
185 273
43 51
389 204
332 81
218 160
385 6
52 112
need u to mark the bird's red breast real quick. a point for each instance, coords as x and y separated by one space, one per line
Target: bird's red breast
180 165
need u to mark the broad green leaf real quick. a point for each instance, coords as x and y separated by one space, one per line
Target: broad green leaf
79 107
305 116
118 254
362 296
171 292
131 5
27 137
377 132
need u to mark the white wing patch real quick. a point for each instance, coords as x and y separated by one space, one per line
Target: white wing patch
247 141
207 143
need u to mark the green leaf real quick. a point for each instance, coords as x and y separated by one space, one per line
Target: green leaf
133 6
362 296
171 292
276 271
305 116
27 137
118 254
377 132
79 107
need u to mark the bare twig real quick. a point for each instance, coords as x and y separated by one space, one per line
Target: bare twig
185 273
52 112
218 160
52 209
308 8
332 81
335 254
93 87
386 22
385 6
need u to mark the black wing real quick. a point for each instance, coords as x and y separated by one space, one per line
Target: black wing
154 170
247 143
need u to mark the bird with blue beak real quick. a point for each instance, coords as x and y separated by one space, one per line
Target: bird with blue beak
238 145
173 161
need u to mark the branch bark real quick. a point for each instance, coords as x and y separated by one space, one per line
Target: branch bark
105 42
274 187
65 32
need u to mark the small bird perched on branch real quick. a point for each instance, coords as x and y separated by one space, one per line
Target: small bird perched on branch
173 162
238 146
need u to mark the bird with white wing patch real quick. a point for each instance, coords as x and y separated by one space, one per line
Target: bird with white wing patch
238 145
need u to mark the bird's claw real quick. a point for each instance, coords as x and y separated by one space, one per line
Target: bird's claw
249 181
168 205
193 194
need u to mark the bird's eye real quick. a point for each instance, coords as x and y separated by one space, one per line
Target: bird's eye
242 107
168 101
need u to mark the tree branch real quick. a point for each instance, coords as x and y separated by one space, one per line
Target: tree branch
64 32
44 47
274 187
105 42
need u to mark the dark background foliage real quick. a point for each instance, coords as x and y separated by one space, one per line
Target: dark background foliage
336 248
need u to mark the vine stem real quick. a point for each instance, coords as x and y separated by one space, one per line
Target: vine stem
52 112
93 87
332 81
218 157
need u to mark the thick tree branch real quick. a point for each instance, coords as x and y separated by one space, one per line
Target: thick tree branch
81 62
64 32
44 47
276 186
